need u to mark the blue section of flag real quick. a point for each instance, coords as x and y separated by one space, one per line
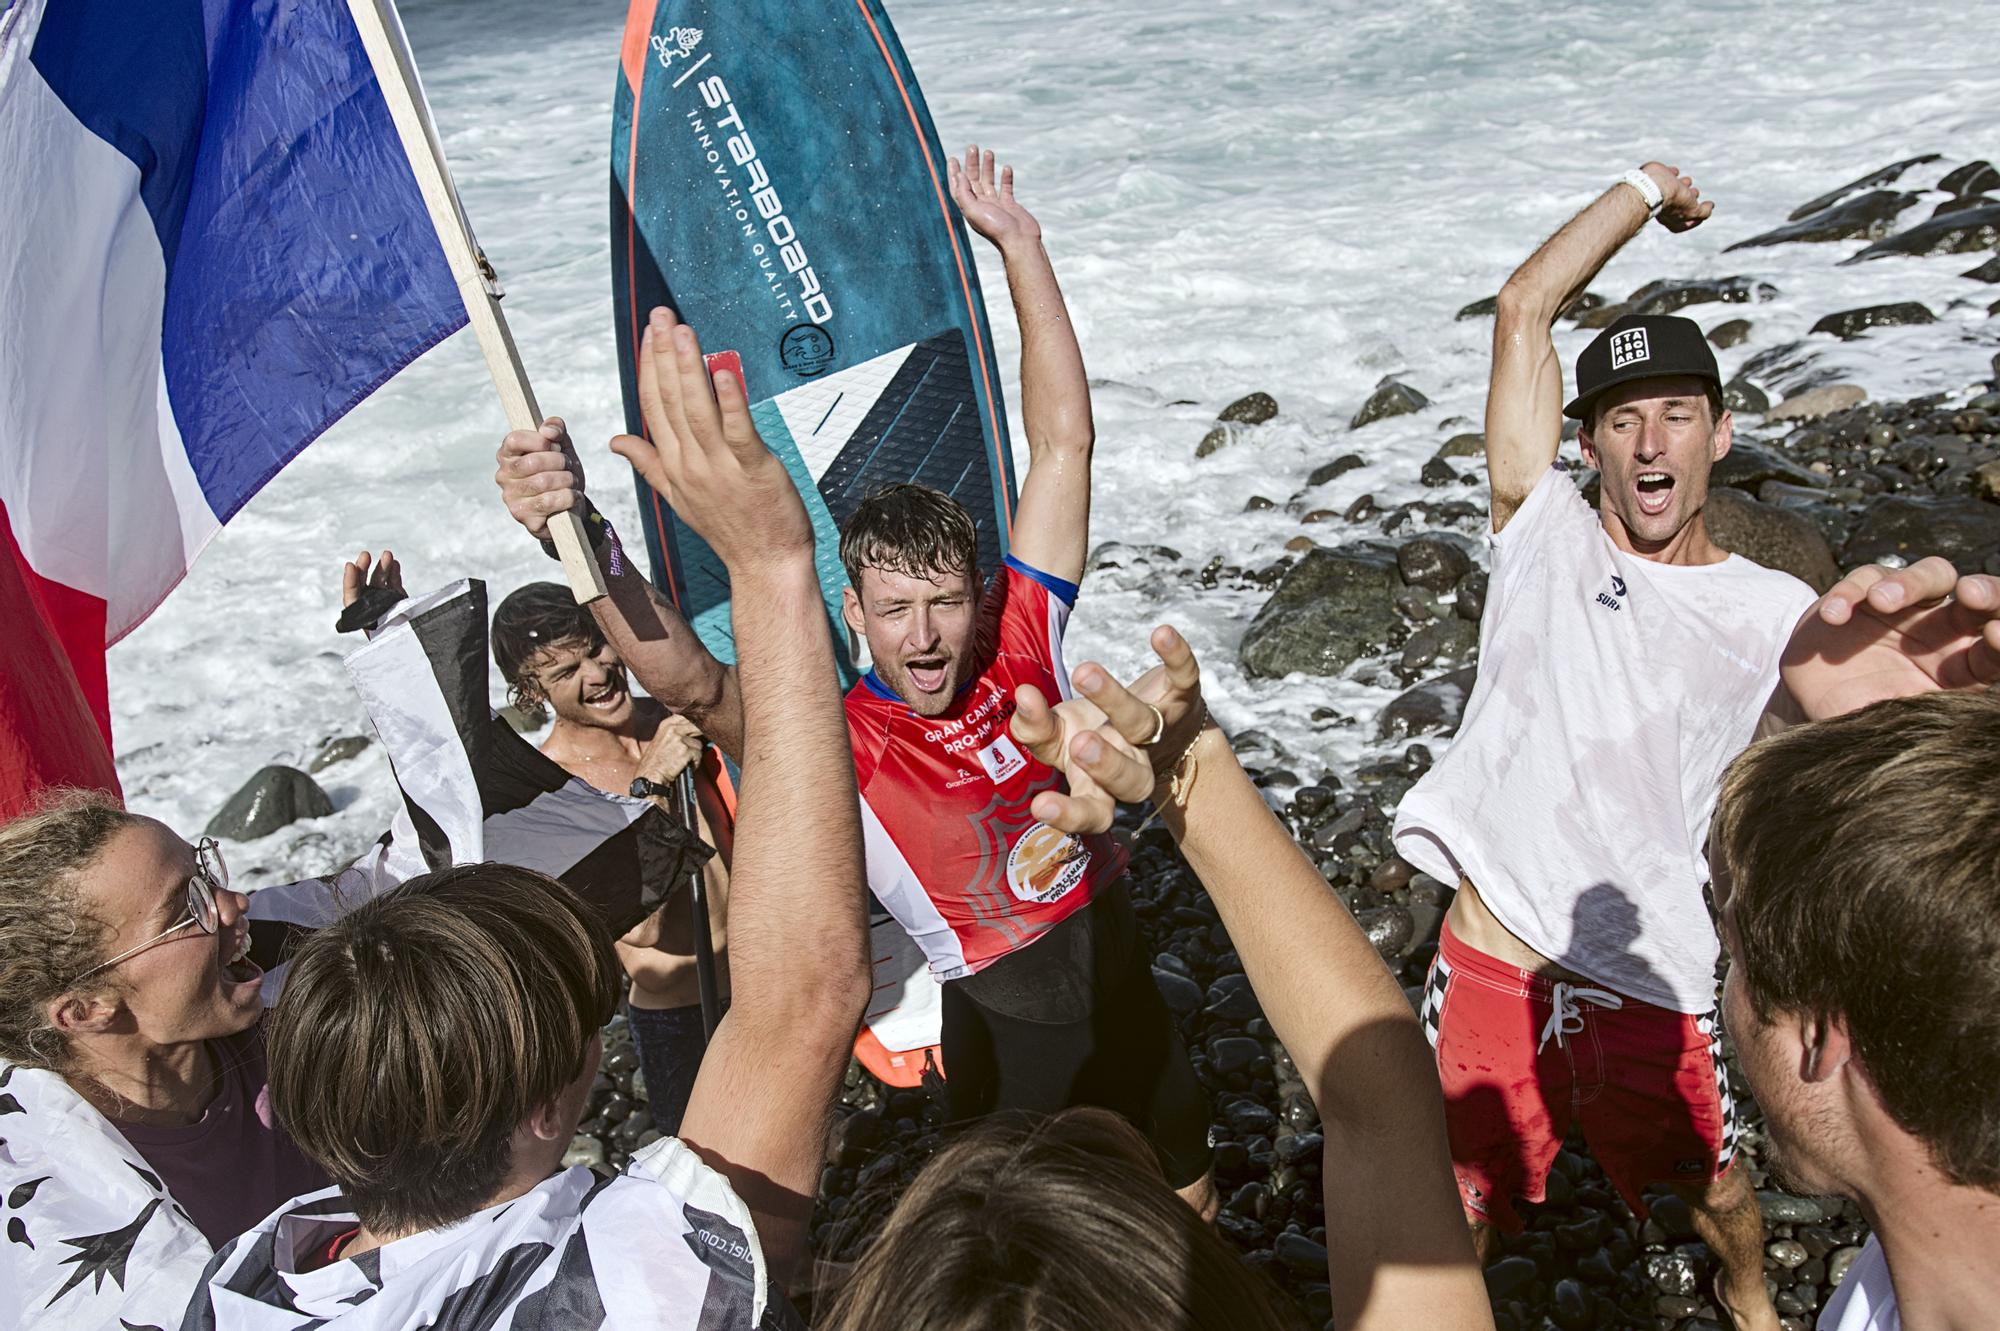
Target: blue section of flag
302 271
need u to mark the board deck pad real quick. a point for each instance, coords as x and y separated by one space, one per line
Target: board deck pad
776 180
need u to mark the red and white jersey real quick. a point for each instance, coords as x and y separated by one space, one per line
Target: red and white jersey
953 851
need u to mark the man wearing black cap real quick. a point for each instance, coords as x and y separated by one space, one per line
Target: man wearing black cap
1624 660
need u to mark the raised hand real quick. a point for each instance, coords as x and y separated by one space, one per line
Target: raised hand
539 475
1113 743
1681 206
356 577
672 749
988 201
1887 633
706 458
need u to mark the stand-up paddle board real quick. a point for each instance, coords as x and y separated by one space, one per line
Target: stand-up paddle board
777 182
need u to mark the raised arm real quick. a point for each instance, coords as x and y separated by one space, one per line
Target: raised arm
798 954
540 476
1052 524
1399 1253
1525 395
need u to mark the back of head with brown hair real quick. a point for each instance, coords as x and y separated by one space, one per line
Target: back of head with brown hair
1061 1224
1864 861
910 529
48 936
417 1032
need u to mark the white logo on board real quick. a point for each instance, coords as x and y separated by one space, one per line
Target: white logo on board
1627 347
1001 759
677 44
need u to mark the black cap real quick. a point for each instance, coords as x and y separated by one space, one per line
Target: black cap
1641 346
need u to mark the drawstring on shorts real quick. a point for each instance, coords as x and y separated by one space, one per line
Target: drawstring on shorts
1565 1018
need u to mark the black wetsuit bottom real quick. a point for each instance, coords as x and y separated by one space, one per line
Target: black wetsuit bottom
1074 1018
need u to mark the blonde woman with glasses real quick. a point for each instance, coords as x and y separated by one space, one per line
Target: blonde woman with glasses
136 1132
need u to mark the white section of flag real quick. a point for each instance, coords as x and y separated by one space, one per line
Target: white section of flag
97 484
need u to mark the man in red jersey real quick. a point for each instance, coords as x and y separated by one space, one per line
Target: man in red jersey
1048 998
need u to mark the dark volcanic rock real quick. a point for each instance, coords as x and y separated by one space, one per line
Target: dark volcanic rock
1340 466
1733 333
1869 216
1433 707
1972 178
1965 531
1774 537
1850 324
1746 466
1478 308
1887 175
1957 233
1985 272
1739 394
268 801
1254 409
1432 563
1665 296
1333 608
338 749
1390 398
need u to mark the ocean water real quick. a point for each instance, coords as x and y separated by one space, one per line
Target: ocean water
1281 196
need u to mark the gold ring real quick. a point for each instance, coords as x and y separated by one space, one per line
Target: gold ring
1159 726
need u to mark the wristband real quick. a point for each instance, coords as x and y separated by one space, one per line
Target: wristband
603 540
1649 189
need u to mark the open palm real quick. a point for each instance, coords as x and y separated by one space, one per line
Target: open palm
1882 634
987 199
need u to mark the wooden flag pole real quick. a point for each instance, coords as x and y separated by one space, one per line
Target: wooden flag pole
381 30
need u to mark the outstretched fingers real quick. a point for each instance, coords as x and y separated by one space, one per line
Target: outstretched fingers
1136 721
1034 724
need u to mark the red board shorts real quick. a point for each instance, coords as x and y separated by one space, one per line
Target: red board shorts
1645 1083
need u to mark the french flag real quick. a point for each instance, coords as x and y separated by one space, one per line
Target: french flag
211 247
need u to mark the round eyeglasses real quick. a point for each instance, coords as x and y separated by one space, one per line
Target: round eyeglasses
210 876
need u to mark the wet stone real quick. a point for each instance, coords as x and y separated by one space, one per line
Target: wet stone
1251 409
1781 1208
1509 1275
1788 1253
275 797
1850 324
1181 994
1247 1118
1340 466
1431 563
1296 1252
1233 1053
338 749
1671 1272
1730 333
1837 1263
1390 398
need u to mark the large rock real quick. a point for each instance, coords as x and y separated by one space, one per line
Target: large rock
1965 531
1481 308
1850 324
1817 402
1666 296
1887 175
1432 562
271 799
1252 409
1390 398
1333 608
1774 537
1961 232
1732 333
1972 178
1746 466
1869 216
337 749
1433 707
1985 272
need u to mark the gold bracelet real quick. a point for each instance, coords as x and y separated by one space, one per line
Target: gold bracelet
1179 781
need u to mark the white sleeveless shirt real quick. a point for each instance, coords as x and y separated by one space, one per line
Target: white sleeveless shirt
1612 693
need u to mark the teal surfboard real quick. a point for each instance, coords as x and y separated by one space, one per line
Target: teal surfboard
776 181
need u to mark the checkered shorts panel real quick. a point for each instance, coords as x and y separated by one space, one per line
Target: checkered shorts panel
1434 987
1732 1121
